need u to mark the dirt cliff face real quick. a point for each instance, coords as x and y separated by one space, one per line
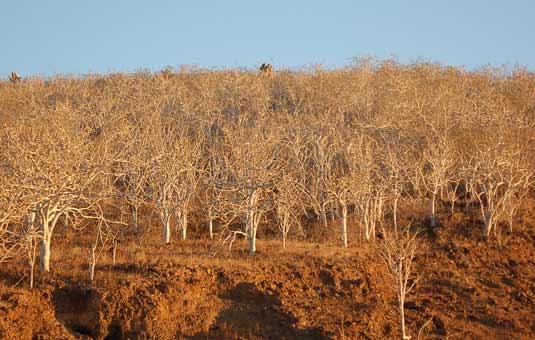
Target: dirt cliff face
170 301
469 288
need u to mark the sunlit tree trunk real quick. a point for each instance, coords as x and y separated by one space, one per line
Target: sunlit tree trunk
252 241
184 224
249 226
344 223
401 300
166 221
251 230
92 262
433 212
47 218
44 248
210 223
134 212
395 213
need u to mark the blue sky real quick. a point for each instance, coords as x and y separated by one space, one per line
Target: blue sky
77 37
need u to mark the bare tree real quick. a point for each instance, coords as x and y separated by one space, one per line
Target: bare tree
298 159
398 251
212 198
56 172
439 159
397 158
165 179
132 178
31 238
452 190
10 244
369 187
188 181
25 239
253 167
174 178
322 154
212 173
498 175
288 205
341 184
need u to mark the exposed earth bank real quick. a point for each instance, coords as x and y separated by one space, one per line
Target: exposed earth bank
469 288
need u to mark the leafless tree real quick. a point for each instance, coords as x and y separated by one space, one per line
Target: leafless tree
253 168
288 204
398 158
56 171
174 179
369 187
212 173
498 174
10 244
31 238
340 185
212 198
298 160
103 236
132 177
321 173
398 250
439 159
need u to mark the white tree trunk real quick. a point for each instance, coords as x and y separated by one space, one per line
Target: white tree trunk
31 243
323 213
433 215
211 228
395 213
31 274
250 230
284 225
323 217
47 220
366 224
402 312
166 228
368 218
210 224
184 224
133 210
92 263
488 222
114 251
344 224
252 241
44 245
44 255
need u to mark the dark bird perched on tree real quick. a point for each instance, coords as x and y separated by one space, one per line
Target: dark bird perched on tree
267 70
14 77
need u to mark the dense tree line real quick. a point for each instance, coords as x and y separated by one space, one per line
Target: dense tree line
241 149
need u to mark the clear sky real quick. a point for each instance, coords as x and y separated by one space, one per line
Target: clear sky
75 37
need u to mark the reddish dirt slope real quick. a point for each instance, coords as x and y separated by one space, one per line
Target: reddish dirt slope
469 288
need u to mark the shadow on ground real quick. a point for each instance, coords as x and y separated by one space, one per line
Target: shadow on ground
253 314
